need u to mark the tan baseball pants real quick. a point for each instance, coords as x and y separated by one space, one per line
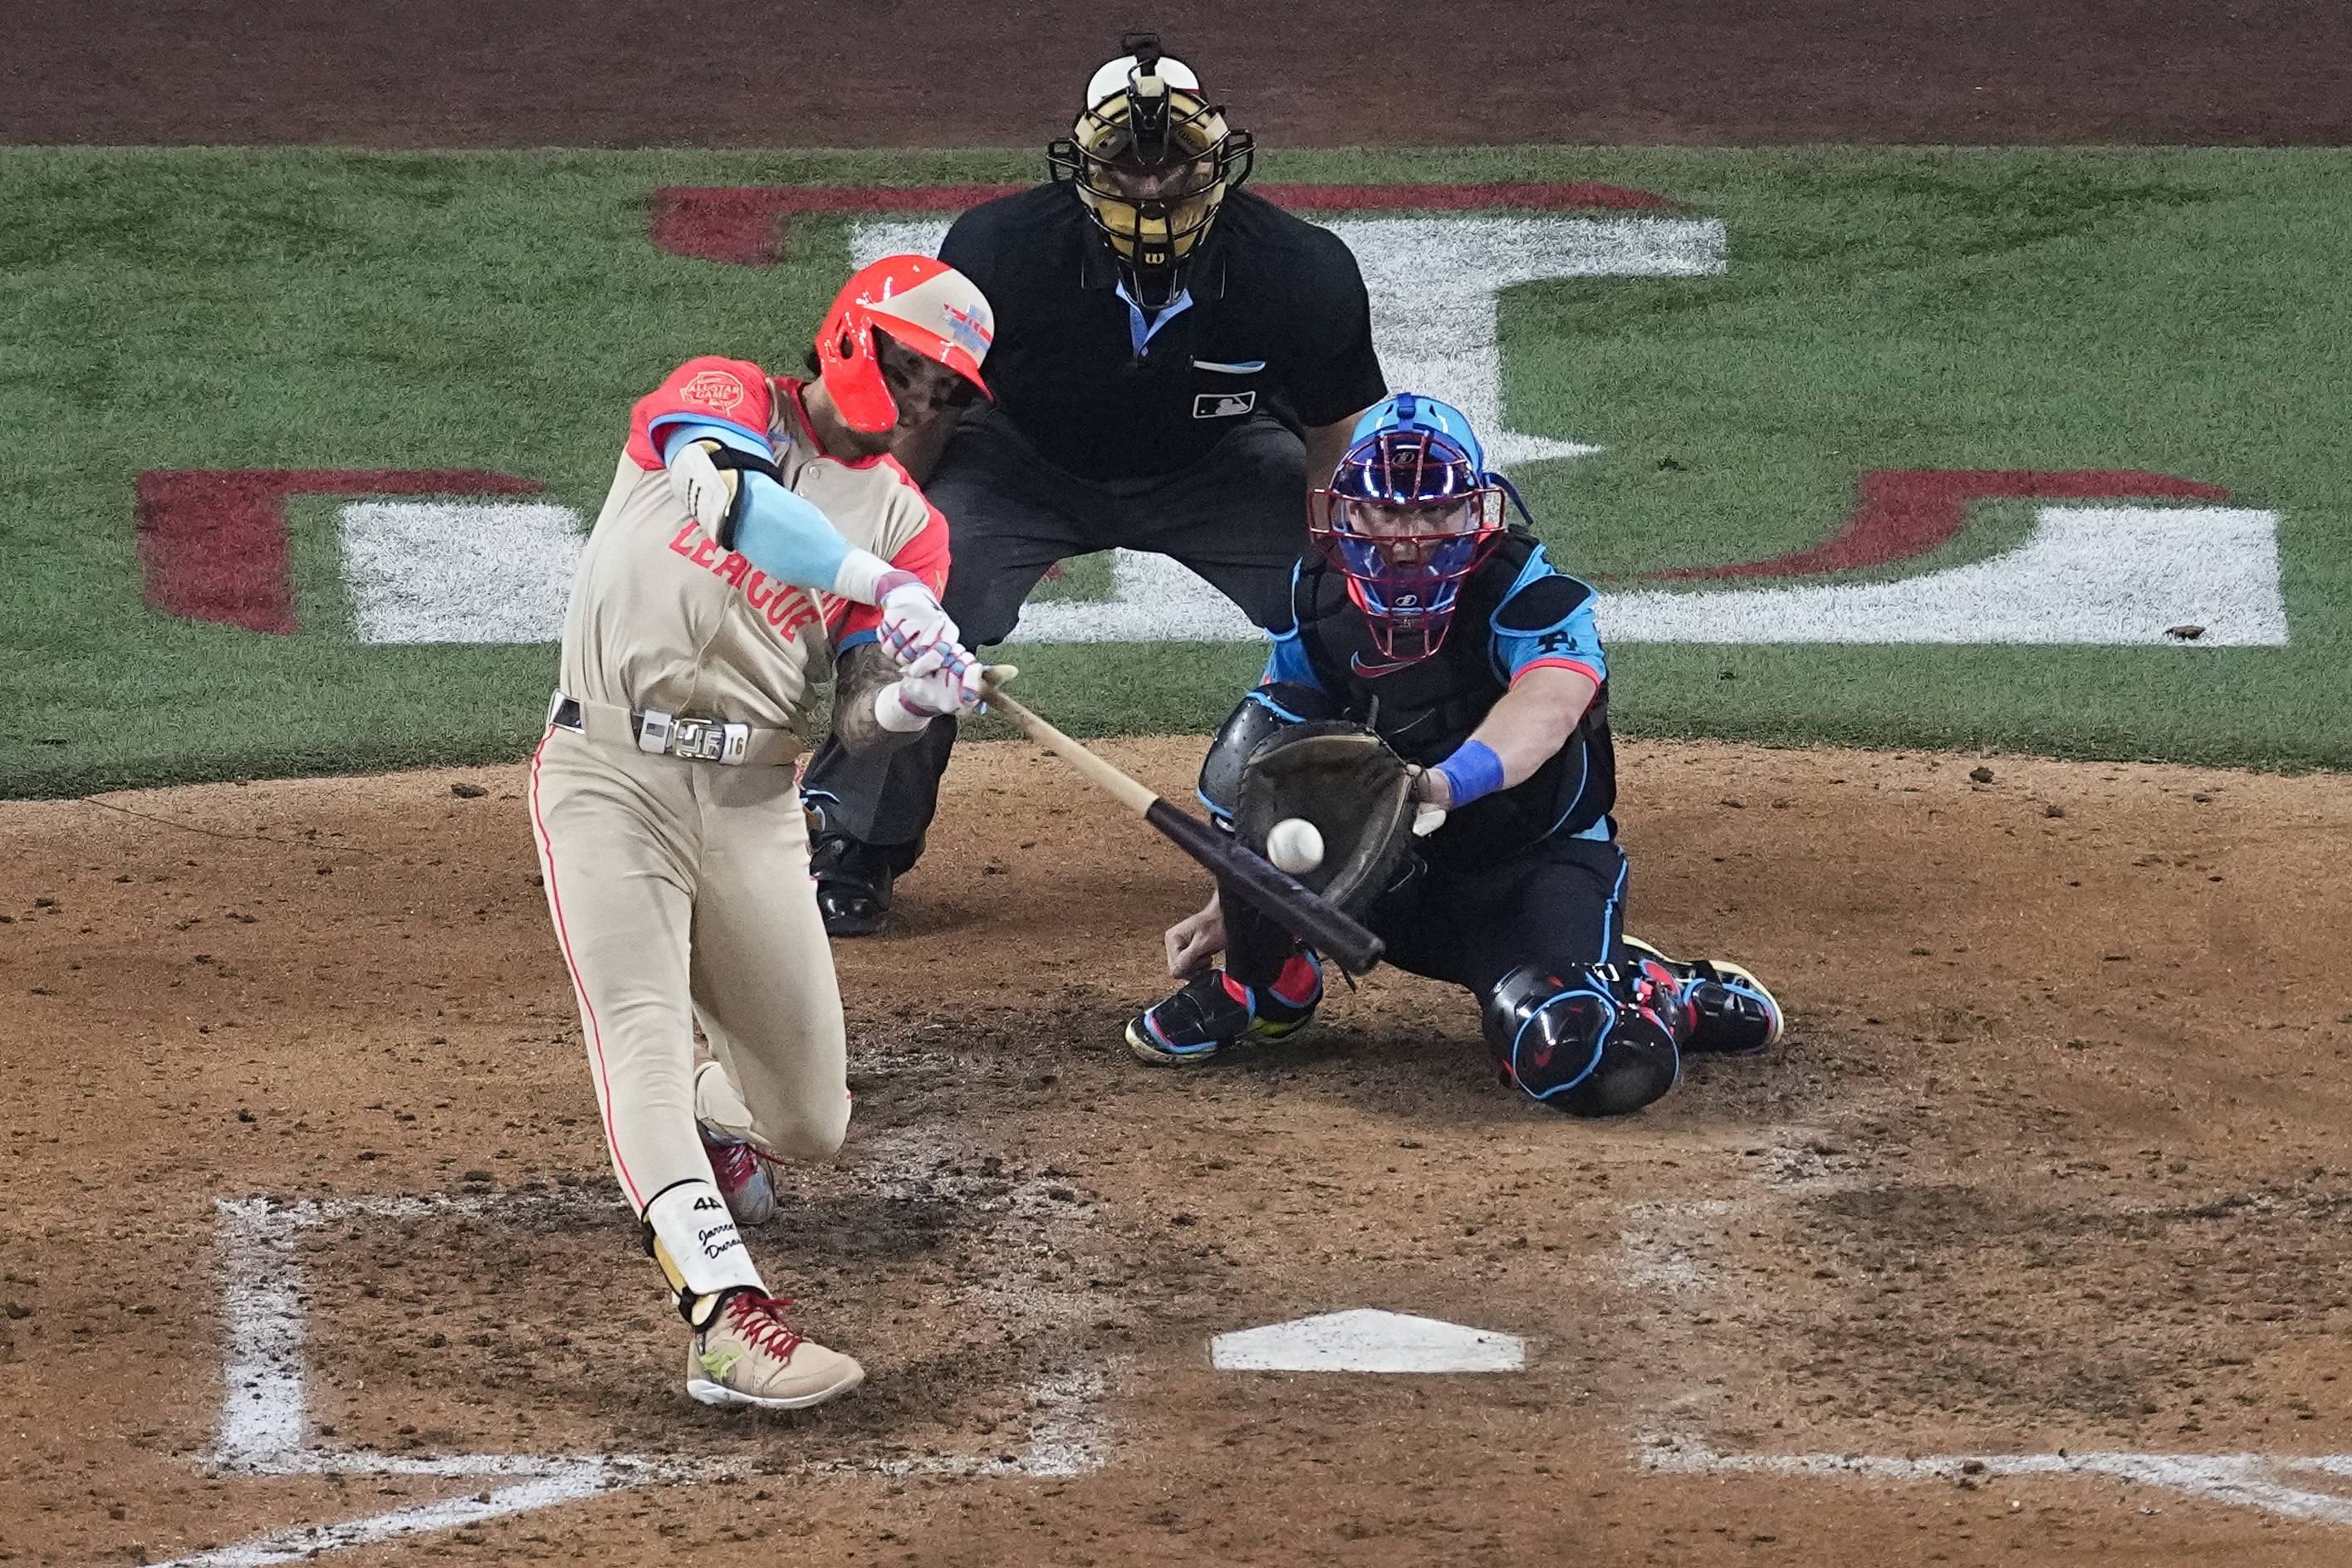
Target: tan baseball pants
680 892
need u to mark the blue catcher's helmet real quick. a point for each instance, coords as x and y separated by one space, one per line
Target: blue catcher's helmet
1409 513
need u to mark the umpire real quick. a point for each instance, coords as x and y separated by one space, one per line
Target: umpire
1173 356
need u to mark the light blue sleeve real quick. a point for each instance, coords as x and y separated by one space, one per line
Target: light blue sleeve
668 432
1286 660
781 534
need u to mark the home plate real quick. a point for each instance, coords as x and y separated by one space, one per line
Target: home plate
1365 1340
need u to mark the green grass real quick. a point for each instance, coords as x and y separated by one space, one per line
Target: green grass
2180 311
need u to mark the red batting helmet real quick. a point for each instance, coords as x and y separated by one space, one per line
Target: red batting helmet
924 305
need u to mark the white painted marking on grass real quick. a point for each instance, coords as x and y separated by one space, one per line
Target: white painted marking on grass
453 571
1435 285
870 242
2110 574
1366 1339
1153 599
2249 1481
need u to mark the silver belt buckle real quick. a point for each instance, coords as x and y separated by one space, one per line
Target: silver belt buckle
697 740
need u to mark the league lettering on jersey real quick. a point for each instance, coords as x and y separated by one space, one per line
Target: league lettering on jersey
725 639
783 605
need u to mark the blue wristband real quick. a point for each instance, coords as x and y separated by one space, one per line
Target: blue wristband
1473 770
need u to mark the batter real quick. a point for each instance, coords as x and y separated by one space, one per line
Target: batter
758 539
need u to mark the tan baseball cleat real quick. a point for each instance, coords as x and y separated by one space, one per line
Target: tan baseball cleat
750 1357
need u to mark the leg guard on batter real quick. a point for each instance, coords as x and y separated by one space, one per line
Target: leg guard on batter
1726 1011
1588 1041
688 1231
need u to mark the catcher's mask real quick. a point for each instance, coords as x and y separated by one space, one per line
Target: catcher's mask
1151 159
1409 513
922 305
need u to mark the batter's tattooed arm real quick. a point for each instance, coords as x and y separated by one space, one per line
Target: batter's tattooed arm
862 672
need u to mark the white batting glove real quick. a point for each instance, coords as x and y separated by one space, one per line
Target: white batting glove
914 699
913 625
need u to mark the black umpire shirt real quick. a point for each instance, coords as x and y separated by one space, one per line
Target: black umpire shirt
1279 325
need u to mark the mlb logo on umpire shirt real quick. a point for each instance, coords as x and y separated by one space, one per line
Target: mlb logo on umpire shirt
1222 405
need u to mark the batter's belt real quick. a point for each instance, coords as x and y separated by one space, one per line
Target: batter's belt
668 735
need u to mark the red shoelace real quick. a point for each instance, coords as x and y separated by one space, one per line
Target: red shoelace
735 1164
760 1320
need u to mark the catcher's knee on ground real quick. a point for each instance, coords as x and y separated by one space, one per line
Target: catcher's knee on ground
1576 1040
1726 1011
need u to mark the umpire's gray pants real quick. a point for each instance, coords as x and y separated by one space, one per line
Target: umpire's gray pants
1237 517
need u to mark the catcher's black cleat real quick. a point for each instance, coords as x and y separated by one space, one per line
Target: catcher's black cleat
853 885
1731 1014
1212 1012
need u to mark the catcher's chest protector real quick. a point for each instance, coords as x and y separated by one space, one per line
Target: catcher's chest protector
1429 707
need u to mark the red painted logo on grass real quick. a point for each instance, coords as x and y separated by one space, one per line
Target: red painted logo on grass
213 541
1900 513
741 224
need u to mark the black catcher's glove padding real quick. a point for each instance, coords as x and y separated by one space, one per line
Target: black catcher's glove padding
1345 780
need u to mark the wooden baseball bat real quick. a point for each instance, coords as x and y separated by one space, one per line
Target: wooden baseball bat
1288 901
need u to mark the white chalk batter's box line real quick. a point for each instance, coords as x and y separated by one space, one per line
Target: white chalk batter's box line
1662 1253
2249 1481
265 1428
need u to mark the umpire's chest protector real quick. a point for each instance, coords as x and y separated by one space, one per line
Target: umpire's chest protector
1428 707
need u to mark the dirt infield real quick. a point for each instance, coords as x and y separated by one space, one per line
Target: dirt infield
733 73
2054 1160
2032 1243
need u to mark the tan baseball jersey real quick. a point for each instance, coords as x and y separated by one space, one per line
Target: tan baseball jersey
663 618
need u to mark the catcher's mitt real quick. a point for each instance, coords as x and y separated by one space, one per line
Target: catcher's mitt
1345 780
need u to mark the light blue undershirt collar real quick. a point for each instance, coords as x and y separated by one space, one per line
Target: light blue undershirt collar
1138 329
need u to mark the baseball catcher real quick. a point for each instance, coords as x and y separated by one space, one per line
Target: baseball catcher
1434 725
758 539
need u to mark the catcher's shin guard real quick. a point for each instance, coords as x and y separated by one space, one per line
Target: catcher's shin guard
1588 1041
1264 712
1726 1010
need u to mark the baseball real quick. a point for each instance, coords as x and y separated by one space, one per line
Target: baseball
1295 845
